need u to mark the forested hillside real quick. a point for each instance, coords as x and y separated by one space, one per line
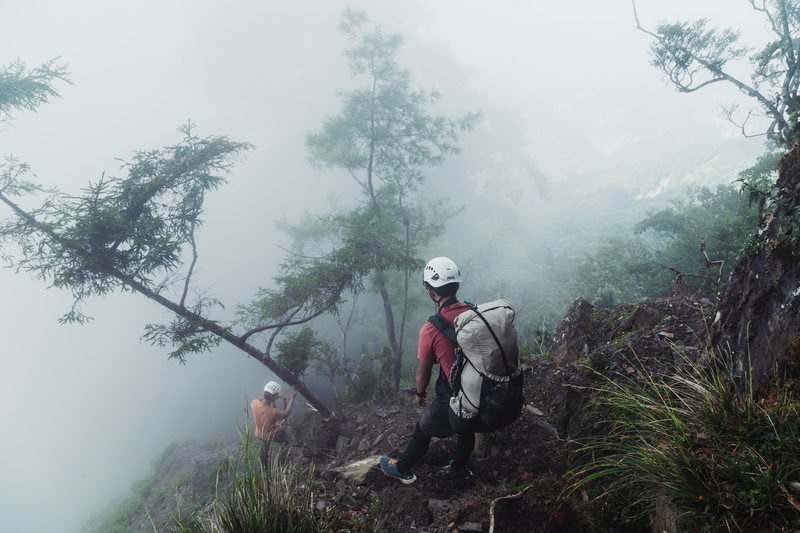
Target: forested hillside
284 236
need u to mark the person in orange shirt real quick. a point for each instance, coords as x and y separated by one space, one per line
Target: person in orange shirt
268 418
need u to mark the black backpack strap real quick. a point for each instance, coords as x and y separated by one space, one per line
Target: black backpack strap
443 325
447 329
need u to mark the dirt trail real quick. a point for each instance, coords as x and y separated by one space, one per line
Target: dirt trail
532 454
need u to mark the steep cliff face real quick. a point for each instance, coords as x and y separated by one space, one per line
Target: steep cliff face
183 482
758 319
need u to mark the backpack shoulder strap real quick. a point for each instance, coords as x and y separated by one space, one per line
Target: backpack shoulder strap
443 325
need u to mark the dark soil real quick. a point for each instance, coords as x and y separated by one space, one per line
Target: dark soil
528 461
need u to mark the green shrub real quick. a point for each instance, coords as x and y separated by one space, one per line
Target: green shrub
751 246
722 459
257 499
369 382
294 352
362 387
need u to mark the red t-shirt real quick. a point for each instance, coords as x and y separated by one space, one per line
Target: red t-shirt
434 346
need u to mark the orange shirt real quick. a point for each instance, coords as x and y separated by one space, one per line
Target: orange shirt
266 418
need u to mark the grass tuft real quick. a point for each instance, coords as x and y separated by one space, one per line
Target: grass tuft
258 499
718 456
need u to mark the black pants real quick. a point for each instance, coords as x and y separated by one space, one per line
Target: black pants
436 423
280 439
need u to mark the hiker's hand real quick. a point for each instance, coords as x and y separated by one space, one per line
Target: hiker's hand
422 401
294 392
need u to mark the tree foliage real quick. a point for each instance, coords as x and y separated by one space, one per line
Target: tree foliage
721 219
123 229
692 56
631 268
622 270
383 136
328 361
136 233
297 349
22 89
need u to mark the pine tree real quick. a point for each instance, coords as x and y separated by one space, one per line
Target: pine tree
384 135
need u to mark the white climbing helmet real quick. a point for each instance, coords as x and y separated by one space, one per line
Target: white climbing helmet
273 387
440 271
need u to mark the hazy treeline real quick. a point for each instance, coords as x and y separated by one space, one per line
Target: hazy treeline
503 220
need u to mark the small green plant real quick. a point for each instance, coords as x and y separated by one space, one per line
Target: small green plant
328 361
751 246
377 507
539 344
258 498
778 200
363 385
213 473
515 486
369 382
294 352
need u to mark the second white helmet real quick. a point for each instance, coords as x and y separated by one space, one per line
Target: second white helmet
441 271
273 387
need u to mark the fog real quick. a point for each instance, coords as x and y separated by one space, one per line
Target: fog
567 84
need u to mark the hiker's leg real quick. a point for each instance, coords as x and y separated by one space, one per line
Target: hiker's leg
415 450
436 420
466 441
282 441
281 437
434 423
263 453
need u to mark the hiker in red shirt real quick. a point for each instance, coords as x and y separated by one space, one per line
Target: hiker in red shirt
268 417
441 278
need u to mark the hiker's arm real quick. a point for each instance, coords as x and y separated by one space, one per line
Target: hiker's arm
288 410
423 378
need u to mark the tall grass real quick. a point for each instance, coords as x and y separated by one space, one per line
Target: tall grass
256 498
723 459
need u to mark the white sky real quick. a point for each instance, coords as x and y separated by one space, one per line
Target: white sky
84 409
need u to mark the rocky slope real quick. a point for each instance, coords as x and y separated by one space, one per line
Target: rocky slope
519 483
182 482
758 324
524 463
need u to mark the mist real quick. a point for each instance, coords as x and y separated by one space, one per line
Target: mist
572 111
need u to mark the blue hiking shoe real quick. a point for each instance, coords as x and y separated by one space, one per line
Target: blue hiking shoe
389 467
448 470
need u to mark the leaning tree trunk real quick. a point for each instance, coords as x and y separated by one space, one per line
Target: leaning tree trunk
757 324
237 341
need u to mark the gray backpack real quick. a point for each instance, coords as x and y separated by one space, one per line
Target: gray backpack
486 379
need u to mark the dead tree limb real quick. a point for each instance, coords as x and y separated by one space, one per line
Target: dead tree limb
494 503
709 264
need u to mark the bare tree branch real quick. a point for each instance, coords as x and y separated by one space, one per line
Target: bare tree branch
709 264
